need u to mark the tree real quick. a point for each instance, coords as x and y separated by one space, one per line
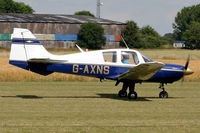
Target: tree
10 6
145 37
87 13
184 18
150 38
22 8
131 35
192 36
150 42
91 36
148 30
168 38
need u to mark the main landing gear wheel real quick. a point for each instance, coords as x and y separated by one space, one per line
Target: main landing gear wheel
132 95
122 93
163 94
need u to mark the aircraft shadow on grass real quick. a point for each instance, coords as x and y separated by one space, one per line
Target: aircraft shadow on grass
98 95
116 97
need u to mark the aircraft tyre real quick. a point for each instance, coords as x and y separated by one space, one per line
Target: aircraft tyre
163 94
132 95
122 93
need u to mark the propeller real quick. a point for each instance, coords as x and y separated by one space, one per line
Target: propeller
187 71
187 62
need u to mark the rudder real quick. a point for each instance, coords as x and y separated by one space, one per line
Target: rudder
25 47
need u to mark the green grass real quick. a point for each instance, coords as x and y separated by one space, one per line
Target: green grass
93 107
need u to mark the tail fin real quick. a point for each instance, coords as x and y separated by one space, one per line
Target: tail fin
25 47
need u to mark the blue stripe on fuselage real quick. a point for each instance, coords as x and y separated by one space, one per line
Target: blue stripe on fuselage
101 71
21 64
168 74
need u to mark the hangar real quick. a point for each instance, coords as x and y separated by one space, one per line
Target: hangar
56 30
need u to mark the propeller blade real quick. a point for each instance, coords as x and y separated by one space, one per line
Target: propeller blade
187 62
185 68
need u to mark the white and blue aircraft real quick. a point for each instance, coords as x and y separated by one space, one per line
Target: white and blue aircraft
123 65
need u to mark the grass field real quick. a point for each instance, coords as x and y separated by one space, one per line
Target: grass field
93 107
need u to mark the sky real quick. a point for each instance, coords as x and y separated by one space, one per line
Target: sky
159 14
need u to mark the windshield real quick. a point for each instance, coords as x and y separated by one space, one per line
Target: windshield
146 58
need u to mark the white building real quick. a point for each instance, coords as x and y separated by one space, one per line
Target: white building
179 44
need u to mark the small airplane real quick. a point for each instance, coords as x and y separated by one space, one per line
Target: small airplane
122 65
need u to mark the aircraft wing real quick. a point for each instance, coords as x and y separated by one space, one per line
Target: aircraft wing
45 60
142 72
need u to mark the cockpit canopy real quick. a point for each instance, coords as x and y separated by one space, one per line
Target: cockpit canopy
131 57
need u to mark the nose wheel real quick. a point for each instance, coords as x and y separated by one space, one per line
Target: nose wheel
163 94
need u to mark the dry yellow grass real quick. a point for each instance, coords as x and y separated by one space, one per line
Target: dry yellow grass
12 73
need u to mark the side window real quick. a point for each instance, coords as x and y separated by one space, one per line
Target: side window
128 57
110 56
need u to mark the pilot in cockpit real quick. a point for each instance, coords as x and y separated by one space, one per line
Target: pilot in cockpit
125 58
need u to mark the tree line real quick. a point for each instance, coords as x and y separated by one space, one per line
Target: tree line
91 35
186 28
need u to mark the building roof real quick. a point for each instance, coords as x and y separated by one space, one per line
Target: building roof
53 18
179 41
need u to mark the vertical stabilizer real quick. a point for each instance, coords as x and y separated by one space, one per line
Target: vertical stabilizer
25 47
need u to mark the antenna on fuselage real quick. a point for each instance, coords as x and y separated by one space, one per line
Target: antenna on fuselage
124 42
82 51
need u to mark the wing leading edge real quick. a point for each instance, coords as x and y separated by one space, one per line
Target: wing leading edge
46 60
141 72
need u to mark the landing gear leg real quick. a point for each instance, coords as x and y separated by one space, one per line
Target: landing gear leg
132 94
122 92
163 94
